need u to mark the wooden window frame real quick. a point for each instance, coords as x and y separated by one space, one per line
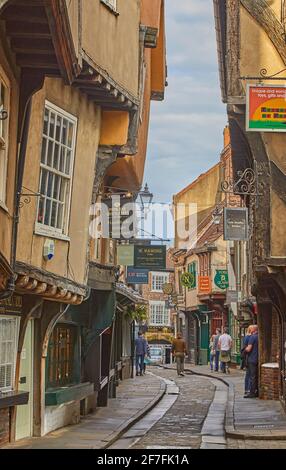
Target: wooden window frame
154 314
155 283
52 171
13 346
59 359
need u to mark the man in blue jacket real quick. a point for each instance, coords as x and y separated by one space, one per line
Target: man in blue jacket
140 352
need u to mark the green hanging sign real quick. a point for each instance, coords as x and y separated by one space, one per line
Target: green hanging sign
221 279
188 280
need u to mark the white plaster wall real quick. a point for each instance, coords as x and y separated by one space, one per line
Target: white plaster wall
62 415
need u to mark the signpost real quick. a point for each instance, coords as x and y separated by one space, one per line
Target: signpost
266 108
236 223
150 257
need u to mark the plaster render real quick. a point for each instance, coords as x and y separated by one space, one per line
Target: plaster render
70 257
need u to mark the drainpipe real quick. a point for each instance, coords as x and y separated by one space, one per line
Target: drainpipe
19 181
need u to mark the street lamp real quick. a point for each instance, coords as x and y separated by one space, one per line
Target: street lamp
145 197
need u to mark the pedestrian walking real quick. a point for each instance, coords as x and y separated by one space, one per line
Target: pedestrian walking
252 362
244 360
225 345
179 350
214 351
147 357
140 352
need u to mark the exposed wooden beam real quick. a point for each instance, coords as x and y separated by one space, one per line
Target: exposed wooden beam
28 14
23 30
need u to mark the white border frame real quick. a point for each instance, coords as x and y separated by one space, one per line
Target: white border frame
256 85
17 318
46 230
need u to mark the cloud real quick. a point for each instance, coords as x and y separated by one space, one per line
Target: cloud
186 129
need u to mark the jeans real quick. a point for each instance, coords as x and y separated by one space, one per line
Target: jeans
180 364
247 381
214 358
253 372
140 363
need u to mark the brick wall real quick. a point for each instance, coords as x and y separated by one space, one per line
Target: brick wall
275 337
270 382
4 426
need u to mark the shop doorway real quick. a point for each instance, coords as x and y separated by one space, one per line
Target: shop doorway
24 416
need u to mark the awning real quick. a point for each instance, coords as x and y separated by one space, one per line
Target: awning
126 295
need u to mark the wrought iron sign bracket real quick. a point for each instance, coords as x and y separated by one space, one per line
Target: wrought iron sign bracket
246 184
264 76
27 198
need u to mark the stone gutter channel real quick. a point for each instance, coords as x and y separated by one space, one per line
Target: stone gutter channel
134 429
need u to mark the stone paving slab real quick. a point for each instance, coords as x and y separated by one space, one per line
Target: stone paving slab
99 430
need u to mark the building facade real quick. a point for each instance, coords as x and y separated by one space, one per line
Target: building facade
69 110
255 31
161 322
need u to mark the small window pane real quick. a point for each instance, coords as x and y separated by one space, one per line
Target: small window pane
46 121
58 128
65 132
50 153
52 125
44 150
47 212
41 210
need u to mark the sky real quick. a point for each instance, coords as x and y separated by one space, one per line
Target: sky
186 129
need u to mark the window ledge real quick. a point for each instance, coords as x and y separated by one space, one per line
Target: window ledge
109 7
44 232
61 395
13 398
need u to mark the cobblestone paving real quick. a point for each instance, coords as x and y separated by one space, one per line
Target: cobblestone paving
241 444
181 425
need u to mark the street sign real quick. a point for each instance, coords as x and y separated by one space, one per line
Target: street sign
236 223
221 279
150 257
231 297
266 108
137 276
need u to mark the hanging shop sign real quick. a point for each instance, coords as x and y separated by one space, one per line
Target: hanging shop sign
168 288
137 276
236 223
150 257
188 280
122 220
221 279
125 255
204 284
266 108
